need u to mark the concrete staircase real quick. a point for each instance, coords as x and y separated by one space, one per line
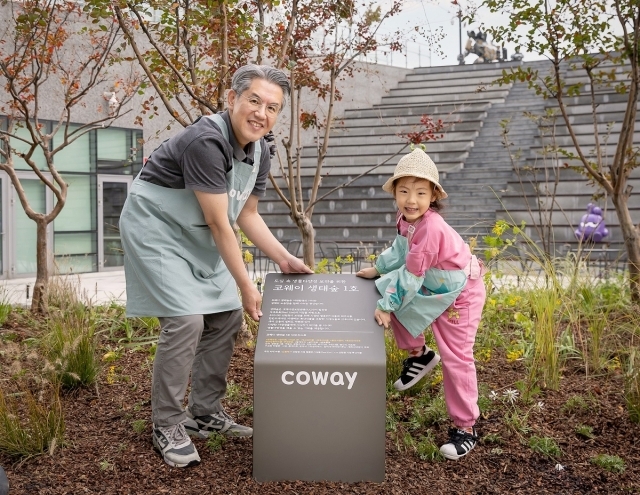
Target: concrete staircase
475 190
461 96
476 169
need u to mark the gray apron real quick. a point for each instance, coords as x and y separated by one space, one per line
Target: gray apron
172 265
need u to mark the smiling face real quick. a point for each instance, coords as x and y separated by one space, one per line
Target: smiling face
413 197
251 121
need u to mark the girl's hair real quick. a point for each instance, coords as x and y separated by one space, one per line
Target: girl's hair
245 75
435 205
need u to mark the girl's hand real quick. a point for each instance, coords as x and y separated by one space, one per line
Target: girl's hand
370 272
382 318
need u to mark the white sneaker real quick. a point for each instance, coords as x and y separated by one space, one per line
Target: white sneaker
460 443
175 446
219 422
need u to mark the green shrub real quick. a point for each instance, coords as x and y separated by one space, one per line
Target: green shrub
545 446
427 449
71 349
611 463
215 441
30 426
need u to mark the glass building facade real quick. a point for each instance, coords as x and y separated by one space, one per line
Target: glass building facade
99 168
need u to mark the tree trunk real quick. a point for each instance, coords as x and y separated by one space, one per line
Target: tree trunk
39 303
632 244
308 240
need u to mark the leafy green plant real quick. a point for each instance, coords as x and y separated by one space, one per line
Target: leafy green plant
545 446
139 425
429 411
71 348
30 426
515 418
576 404
391 416
215 441
585 431
611 463
545 366
246 410
234 391
5 306
491 438
333 266
427 449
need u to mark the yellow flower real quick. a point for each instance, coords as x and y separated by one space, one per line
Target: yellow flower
483 355
247 256
436 378
514 355
111 375
500 227
109 357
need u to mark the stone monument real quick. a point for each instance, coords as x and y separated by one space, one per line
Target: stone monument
319 381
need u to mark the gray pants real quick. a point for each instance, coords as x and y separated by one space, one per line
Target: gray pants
202 345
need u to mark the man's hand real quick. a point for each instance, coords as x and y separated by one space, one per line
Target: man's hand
382 318
252 301
370 272
291 264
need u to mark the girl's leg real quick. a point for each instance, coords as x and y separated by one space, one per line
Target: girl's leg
455 332
421 359
404 340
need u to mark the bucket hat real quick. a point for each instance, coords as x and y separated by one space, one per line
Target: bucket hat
416 164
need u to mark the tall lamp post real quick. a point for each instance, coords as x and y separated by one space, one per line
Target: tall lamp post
460 55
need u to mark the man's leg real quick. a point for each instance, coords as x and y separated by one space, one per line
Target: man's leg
174 356
175 353
209 377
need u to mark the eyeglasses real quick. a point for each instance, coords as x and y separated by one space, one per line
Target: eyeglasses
272 110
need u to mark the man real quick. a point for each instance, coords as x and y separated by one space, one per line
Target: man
182 257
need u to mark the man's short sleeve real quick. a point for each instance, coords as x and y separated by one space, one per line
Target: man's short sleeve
205 162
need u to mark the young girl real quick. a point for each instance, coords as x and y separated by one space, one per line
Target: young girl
429 277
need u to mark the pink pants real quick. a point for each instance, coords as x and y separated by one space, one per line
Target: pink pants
455 333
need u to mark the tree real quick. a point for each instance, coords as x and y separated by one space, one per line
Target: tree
602 38
50 53
188 49
319 41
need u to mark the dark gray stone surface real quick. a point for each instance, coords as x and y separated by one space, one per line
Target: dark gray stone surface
319 381
4 482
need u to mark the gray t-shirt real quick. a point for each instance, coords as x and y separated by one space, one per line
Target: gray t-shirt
199 157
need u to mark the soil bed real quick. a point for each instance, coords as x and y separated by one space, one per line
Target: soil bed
103 454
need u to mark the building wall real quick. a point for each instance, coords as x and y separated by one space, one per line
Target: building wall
100 165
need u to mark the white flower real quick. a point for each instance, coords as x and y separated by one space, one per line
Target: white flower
539 406
511 395
493 395
559 467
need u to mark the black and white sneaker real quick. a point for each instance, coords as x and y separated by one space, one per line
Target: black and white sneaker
175 446
220 422
460 443
414 368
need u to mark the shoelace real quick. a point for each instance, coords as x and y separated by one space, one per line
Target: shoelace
177 433
223 414
456 435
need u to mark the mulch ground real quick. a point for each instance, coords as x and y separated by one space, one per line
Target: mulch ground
104 455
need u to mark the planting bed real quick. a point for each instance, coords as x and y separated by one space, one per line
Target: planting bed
108 448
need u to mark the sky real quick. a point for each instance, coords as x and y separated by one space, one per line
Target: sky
432 14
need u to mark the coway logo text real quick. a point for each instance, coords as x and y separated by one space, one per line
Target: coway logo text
336 378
